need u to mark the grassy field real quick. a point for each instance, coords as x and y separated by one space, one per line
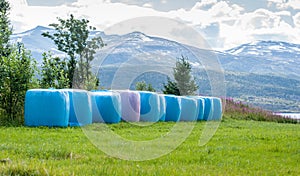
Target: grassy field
238 148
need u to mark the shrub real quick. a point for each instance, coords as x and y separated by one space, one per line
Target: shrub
16 77
239 110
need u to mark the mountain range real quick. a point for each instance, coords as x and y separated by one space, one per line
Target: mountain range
261 73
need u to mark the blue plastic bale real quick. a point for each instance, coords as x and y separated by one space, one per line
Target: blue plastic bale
150 106
80 107
106 107
173 108
208 108
200 107
217 103
189 109
47 107
162 109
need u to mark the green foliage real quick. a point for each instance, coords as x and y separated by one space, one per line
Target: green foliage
243 111
71 37
182 75
184 84
92 83
54 72
5 29
142 86
83 77
238 148
171 88
17 77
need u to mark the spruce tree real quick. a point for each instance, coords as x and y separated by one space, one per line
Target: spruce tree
184 83
171 88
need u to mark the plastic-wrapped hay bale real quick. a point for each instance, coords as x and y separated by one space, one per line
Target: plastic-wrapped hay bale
106 107
189 109
208 108
217 108
104 90
80 107
130 105
173 108
150 106
162 109
47 107
201 107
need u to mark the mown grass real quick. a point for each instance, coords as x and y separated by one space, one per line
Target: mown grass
238 148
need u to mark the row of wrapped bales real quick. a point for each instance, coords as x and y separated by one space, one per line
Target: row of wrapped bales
69 107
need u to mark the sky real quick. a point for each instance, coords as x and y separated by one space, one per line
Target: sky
223 24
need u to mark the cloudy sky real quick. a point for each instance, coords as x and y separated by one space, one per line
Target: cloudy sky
224 24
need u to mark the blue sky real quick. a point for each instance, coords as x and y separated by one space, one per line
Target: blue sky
224 24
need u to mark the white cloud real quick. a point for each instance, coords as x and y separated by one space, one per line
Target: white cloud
283 13
232 24
101 13
148 5
260 23
163 1
296 19
204 4
284 4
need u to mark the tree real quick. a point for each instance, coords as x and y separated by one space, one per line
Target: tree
182 74
84 78
184 83
171 88
5 32
142 86
17 72
54 72
71 37
18 76
5 29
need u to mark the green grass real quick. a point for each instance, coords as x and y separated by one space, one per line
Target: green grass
238 148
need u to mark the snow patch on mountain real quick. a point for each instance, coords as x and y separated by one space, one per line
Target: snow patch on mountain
261 57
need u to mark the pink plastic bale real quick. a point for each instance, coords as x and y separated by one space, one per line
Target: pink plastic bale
130 105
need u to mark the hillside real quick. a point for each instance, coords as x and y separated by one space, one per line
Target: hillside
262 73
